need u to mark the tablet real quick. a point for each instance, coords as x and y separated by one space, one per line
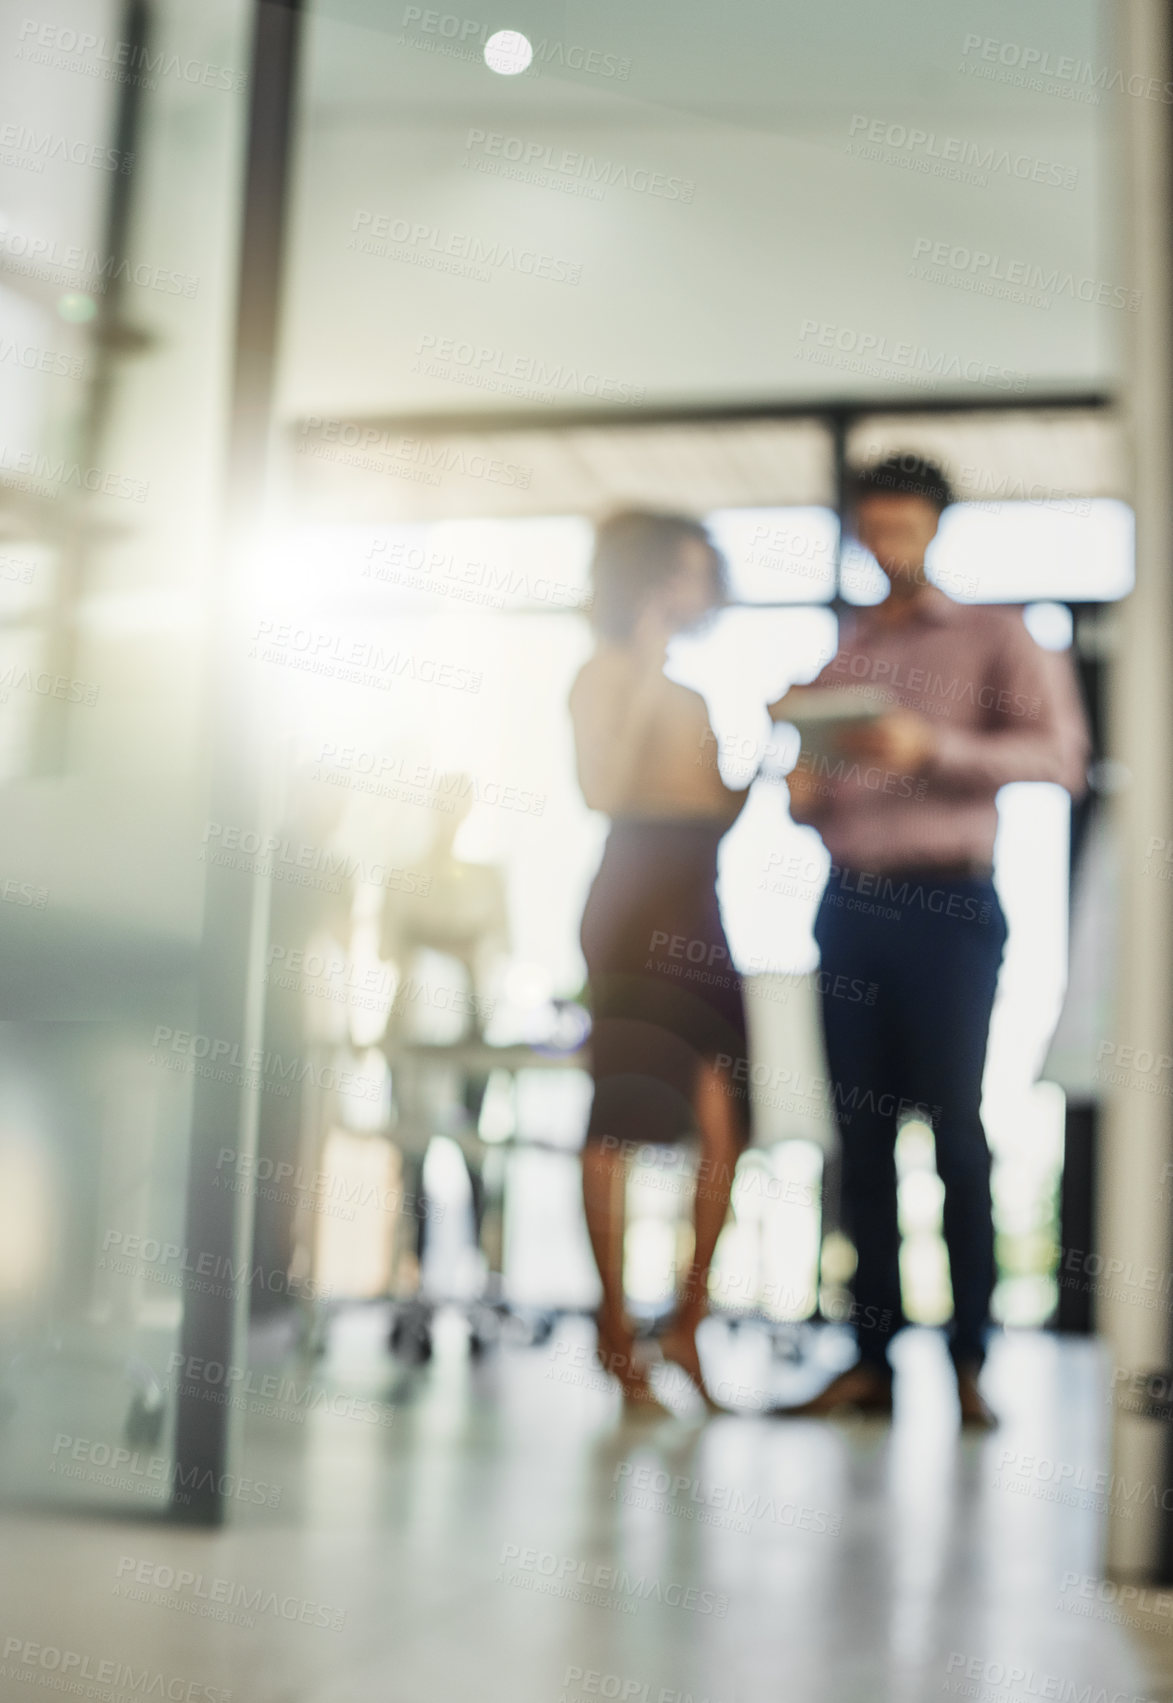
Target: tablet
823 714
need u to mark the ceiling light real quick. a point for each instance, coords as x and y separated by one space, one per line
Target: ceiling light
508 52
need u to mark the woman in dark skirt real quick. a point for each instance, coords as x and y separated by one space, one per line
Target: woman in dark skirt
668 1017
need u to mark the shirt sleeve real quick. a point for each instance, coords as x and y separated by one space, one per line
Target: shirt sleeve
814 810
1036 728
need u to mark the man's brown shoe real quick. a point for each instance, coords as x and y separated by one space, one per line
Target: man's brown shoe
863 1388
976 1412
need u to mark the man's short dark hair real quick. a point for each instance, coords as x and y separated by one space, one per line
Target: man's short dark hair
904 475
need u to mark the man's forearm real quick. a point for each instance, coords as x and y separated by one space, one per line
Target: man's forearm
967 757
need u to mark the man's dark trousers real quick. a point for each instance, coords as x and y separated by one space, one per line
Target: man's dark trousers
912 1041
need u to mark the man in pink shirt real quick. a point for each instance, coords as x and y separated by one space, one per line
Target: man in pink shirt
907 809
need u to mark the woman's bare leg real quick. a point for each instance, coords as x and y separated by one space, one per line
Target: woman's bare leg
604 1186
604 1191
720 1148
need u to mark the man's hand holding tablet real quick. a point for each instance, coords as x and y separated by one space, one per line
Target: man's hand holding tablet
859 721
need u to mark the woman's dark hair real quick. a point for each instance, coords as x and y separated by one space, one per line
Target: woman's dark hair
904 475
635 552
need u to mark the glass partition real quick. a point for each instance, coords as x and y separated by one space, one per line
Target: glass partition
118 220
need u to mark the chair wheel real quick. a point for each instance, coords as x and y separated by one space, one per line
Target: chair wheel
411 1341
786 1348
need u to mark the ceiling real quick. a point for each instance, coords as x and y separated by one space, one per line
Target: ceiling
431 273
402 477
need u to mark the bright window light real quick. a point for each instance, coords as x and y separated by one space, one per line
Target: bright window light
1079 550
1049 625
784 555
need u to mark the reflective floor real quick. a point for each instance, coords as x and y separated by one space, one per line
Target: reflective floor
493 1530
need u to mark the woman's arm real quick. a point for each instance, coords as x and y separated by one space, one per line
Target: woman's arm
612 705
730 801
736 799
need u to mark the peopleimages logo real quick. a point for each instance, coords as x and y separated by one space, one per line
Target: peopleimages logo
1128 1066
26 469
103 1463
45 257
40 40
199 1271
725 1498
488 368
1048 282
360 662
845 346
592 1682
275 850
492 151
380 234
185 1589
465 38
39 147
422 461
924 149
926 687
273 1395
564 1573
1032 1682
28 1662
1060 1479
1078 79
446 574
439 788
33 358
226 1061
